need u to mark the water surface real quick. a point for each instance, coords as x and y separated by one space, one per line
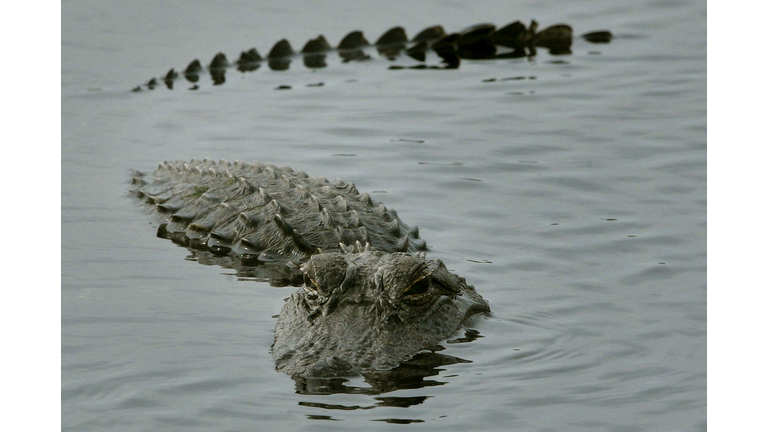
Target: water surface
569 190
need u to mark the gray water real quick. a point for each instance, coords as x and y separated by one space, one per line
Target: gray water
573 197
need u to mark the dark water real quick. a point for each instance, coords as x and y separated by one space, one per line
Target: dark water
569 190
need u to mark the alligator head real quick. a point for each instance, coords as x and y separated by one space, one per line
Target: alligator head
369 311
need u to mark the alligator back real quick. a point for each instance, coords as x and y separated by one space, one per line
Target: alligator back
260 212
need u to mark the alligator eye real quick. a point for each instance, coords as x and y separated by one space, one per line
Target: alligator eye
419 289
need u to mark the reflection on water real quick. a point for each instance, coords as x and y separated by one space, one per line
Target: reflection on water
276 273
408 375
477 42
417 373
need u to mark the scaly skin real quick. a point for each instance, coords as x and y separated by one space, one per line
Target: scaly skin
362 308
251 210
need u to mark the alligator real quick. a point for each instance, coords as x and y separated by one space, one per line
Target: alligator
369 299
481 41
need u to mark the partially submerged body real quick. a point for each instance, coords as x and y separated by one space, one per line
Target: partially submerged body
368 311
477 42
361 308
